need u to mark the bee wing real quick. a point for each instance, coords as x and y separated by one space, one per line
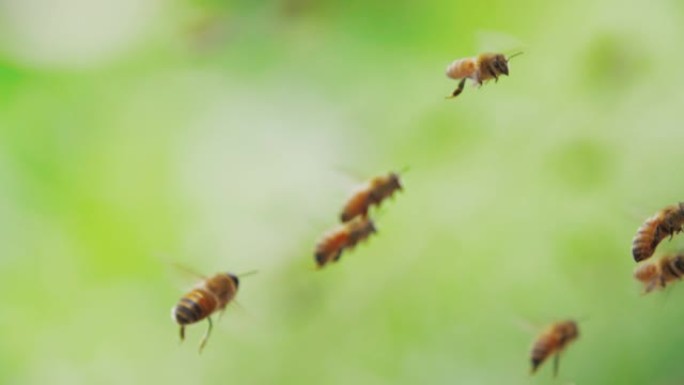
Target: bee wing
183 276
498 42
188 271
638 215
350 175
525 325
236 308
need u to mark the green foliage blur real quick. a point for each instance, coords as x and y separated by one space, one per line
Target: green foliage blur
225 135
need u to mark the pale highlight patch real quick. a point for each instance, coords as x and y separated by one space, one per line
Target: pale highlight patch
73 33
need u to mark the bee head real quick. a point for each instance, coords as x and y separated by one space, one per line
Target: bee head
235 279
678 262
371 227
501 64
395 182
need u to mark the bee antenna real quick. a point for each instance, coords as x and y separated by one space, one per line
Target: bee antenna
514 55
404 170
251 272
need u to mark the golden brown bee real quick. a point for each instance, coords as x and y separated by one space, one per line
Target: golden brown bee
664 223
344 236
552 341
371 193
479 69
660 273
209 296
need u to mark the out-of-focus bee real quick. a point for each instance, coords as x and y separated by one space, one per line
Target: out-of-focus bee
344 236
664 223
479 69
211 295
660 273
552 342
370 193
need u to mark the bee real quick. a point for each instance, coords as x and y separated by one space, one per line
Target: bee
370 193
344 236
664 223
211 295
479 69
552 342
660 273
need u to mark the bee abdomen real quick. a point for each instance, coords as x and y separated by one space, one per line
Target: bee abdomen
461 68
348 215
643 243
539 354
194 307
641 251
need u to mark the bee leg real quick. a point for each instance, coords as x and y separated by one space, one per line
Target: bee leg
206 335
182 332
492 72
458 90
337 256
556 361
655 282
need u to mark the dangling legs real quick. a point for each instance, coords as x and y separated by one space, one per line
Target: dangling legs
556 360
458 90
206 335
492 71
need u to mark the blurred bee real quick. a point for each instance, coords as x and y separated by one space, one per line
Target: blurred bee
552 342
479 69
659 274
664 223
211 295
370 193
345 236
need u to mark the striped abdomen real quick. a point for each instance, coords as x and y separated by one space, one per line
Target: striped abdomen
663 224
542 349
357 205
646 239
331 246
462 68
194 306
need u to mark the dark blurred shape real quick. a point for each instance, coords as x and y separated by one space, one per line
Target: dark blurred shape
208 31
581 164
614 63
297 8
552 342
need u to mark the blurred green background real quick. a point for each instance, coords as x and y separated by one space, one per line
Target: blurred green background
225 135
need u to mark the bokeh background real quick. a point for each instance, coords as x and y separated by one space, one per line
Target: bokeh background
225 135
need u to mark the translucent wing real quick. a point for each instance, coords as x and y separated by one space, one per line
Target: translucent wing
498 42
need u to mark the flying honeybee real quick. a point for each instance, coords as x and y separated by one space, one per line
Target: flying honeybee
659 274
210 295
664 223
344 236
479 69
370 193
552 342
